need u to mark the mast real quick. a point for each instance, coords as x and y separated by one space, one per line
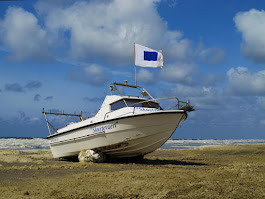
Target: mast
134 65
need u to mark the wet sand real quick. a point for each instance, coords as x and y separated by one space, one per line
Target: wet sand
230 171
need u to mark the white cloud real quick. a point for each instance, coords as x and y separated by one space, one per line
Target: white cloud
178 72
206 89
210 79
212 56
187 91
94 74
21 34
252 26
145 76
172 3
242 81
106 30
176 48
34 120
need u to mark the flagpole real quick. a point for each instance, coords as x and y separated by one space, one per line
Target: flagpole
134 66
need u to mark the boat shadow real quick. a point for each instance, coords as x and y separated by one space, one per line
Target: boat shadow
140 161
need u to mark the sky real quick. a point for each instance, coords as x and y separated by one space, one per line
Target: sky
64 54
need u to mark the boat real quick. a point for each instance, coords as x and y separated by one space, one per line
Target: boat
124 127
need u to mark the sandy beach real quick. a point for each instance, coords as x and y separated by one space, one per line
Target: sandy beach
229 171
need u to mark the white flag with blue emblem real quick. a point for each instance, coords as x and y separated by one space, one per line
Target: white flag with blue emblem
147 57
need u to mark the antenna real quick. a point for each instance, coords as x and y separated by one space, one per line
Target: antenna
134 66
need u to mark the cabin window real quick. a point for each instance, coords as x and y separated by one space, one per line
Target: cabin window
117 105
134 103
137 103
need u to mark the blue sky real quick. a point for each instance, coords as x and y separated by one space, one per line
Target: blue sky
62 55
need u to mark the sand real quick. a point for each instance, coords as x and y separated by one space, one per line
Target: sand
230 171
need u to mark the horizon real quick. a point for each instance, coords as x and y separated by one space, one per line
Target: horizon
62 55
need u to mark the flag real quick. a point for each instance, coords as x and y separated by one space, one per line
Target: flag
147 57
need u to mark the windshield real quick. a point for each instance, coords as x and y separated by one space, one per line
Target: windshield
134 103
117 105
141 103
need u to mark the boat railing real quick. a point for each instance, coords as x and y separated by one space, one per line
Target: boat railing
181 105
81 116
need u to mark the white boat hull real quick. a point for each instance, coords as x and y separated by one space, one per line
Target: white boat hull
122 137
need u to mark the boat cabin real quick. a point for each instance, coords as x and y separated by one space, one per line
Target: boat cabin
115 105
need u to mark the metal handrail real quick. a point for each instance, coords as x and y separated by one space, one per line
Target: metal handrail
81 116
180 104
